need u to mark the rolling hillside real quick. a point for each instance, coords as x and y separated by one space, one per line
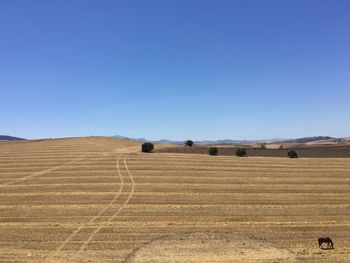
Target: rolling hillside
99 199
10 138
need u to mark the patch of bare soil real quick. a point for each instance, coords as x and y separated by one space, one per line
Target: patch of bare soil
211 247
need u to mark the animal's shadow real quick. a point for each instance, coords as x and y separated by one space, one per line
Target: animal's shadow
327 248
326 240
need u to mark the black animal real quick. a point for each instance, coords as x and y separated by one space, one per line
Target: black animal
327 240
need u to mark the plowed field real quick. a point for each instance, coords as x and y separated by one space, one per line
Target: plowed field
312 151
100 200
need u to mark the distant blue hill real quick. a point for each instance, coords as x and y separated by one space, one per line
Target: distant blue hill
211 142
229 141
311 139
10 138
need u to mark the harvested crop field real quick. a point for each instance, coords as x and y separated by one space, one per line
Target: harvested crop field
100 200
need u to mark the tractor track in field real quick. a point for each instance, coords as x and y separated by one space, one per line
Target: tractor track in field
51 169
101 212
35 174
131 193
96 230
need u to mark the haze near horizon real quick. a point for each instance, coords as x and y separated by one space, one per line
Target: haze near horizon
175 70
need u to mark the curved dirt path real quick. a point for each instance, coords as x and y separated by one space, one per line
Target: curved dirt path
101 212
131 193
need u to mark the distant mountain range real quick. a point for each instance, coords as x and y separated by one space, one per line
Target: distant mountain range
10 138
230 141
311 139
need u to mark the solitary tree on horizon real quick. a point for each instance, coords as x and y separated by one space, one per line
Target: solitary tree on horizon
213 151
189 143
292 154
240 152
147 147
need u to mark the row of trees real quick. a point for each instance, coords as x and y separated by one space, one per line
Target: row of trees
148 147
240 152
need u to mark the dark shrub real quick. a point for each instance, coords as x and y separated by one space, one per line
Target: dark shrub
263 145
147 147
241 152
213 151
189 143
292 154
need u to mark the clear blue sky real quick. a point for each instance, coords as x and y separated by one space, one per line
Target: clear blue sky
175 69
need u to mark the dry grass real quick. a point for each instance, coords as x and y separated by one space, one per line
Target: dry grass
100 200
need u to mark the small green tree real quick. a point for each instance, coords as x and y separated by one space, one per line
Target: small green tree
213 151
189 143
241 152
292 154
147 147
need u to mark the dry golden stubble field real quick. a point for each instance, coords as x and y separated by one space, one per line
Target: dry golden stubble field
99 200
